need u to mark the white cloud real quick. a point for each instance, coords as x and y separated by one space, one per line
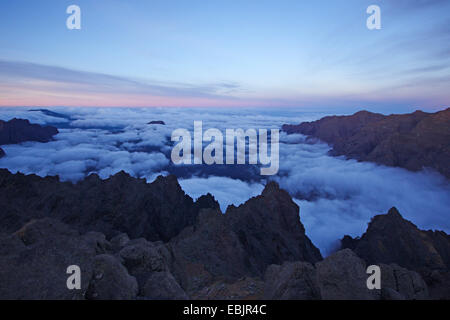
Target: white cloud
227 191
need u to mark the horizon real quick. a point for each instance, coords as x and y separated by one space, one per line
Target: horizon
315 57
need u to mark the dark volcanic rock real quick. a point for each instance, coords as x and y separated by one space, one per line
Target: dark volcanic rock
412 141
207 201
391 239
163 286
342 276
156 211
207 250
18 130
157 122
406 284
148 262
34 261
111 280
291 281
269 228
245 288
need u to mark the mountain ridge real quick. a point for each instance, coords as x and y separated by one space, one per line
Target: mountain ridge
411 141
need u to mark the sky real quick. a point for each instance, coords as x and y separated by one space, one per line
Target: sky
286 53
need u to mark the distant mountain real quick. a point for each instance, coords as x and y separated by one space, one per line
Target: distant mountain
157 122
412 141
19 130
152 241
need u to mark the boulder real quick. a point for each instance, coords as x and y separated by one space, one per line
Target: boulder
34 261
291 281
342 276
110 280
407 284
161 285
245 288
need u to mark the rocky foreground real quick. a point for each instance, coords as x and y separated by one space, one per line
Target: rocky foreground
411 141
134 240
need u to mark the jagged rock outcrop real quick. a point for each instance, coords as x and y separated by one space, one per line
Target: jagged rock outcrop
263 231
391 239
269 228
207 250
2 153
156 211
412 141
19 130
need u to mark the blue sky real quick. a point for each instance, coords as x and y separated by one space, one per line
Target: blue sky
311 54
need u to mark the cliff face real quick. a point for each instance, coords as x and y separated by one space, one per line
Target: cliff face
18 130
410 141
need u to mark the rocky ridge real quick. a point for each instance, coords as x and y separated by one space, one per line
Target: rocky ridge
411 141
134 240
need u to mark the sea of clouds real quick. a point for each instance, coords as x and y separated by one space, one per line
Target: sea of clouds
336 196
